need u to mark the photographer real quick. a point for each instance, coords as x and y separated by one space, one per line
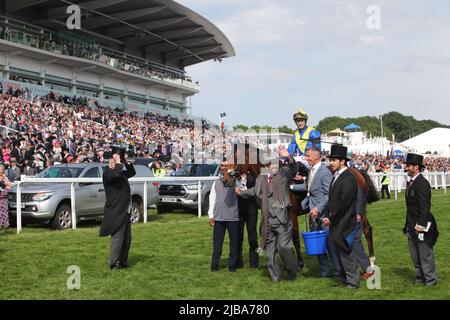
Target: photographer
116 220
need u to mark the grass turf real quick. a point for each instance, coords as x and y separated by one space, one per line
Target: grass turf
170 259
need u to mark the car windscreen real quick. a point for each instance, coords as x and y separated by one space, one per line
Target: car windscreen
61 172
197 170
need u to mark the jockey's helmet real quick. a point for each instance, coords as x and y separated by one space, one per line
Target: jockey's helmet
300 114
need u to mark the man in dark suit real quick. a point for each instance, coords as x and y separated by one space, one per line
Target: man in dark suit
248 215
420 225
341 215
116 220
272 188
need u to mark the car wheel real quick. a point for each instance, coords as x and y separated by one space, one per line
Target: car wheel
136 215
62 218
205 205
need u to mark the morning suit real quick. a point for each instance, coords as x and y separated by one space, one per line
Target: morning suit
342 216
276 227
418 205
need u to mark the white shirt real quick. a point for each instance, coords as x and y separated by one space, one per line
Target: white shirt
212 200
338 173
313 172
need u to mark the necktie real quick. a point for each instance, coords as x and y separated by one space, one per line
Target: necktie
336 176
269 179
311 177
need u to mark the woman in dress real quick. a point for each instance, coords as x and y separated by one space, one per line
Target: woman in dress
5 185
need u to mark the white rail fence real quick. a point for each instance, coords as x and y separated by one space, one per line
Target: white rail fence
73 181
397 184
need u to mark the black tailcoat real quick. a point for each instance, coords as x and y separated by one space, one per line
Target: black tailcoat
118 198
342 208
418 209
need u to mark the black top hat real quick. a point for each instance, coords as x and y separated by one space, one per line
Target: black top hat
118 150
413 158
338 151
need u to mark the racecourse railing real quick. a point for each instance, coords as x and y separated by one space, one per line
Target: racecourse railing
398 183
73 181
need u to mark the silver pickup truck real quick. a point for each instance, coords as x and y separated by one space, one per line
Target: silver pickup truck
184 194
50 202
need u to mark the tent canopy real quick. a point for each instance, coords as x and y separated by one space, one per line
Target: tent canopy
337 131
352 126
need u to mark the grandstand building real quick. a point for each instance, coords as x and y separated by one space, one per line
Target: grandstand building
128 54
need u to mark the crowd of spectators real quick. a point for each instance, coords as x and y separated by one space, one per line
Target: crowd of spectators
61 129
83 48
396 164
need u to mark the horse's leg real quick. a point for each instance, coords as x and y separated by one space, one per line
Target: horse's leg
295 229
367 229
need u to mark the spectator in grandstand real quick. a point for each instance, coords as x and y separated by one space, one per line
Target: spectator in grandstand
157 169
5 185
13 172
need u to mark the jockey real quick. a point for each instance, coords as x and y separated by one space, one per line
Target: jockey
305 137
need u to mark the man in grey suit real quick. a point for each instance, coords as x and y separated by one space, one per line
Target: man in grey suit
272 187
316 202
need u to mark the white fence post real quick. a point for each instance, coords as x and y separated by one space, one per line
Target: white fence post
145 202
19 208
396 189
199 199
436 181
444 183
72 203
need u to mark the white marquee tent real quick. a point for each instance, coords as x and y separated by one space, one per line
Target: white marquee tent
435 141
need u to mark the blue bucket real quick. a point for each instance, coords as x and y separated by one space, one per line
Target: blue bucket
315 242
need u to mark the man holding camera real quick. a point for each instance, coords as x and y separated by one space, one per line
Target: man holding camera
116 220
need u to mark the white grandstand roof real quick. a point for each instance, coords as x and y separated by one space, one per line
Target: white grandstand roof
159 30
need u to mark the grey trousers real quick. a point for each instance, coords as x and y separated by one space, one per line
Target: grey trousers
423 259
279 241
360 253
348 266
120 245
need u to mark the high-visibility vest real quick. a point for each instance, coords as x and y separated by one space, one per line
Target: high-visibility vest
385 180
303 140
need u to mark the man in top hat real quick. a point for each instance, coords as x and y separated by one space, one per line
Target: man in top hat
116 220
341 215
420 225
272 188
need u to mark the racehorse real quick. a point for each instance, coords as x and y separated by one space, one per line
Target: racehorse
246 158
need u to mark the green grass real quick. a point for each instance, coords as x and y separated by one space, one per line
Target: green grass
170 259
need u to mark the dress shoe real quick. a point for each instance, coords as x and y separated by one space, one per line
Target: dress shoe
232 269
352 286
431 284
292 277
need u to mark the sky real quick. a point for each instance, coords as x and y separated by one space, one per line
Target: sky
321 56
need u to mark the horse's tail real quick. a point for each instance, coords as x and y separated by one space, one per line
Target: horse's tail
372 192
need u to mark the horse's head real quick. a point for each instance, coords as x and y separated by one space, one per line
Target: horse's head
244 158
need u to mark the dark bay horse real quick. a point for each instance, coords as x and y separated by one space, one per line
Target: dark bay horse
245 158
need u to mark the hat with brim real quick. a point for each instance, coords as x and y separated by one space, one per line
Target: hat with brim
118 150
338 152
415 159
